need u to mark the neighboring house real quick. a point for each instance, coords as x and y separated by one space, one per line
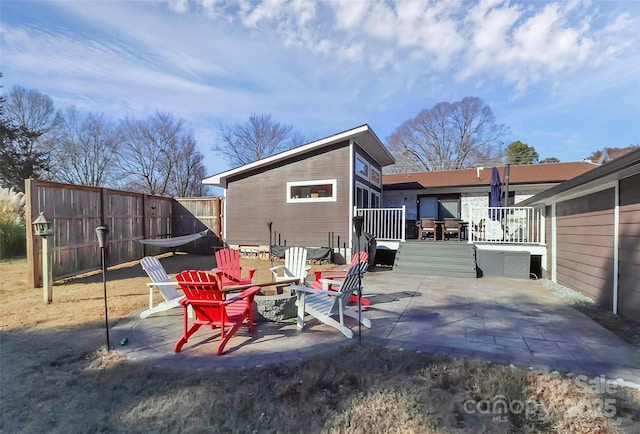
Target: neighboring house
609 154
453 193
592 225
307 194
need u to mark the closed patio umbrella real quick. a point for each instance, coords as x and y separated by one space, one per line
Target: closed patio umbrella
496 190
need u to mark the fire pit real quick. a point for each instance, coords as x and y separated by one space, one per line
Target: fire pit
275 304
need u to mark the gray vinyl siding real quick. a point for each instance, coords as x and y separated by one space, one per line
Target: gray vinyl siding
585 236
629 248
258 198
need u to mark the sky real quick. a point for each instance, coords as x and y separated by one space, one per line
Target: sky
564 77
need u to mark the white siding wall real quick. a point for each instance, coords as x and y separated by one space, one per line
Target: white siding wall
473 200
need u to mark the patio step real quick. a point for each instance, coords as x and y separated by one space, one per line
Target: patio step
448 258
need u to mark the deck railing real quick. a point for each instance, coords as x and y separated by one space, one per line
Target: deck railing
386 224
519 225
505 225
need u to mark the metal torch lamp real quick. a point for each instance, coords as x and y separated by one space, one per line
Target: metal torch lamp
101 233
357 224
269 249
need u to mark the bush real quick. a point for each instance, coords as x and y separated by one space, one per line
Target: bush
13 239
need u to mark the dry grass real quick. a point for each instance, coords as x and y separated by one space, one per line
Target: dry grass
57 378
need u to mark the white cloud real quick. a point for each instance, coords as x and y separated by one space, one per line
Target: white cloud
253 13
323 64
348 14
179 6
519 43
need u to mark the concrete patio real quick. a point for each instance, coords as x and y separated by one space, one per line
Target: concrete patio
509 321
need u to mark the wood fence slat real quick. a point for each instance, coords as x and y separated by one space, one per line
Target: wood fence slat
76 211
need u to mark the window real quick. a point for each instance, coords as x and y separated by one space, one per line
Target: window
362 196
365 171
375 199
322 190
362 168
375 177
366 197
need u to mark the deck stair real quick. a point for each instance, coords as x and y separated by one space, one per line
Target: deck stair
436 258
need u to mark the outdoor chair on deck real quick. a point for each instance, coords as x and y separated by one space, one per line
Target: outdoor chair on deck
478 231
228 269
202 294
161 280
425 227
325 304
451 227
295 266
339 275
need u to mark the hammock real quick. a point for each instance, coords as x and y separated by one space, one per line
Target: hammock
175 241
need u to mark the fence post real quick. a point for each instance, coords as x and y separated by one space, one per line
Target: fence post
35 267
145 224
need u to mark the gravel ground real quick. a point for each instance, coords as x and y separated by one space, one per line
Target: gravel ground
624 328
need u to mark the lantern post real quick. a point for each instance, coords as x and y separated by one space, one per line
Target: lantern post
44 229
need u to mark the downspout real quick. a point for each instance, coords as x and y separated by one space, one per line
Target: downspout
224 214
470 225
554 244
616 240
542 236
352 206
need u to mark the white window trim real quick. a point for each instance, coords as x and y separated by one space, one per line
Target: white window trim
366 163
369 192
371 170
332 198
364 188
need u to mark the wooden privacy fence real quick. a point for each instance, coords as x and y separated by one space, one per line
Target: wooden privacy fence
76 211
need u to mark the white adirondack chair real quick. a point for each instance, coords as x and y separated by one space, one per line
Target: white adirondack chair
161 280
325 304
295 266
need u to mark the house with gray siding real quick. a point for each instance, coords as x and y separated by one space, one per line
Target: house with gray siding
304 196
592 225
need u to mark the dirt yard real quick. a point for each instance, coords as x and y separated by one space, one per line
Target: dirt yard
55 377
74 322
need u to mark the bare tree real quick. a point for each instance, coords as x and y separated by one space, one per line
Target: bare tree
86 149
189 170
32 110
260 137
446 137
31 117
154 150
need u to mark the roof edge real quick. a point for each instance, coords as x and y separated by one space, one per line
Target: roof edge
220 178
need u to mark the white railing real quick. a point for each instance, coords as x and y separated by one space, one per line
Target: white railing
505 225
386 224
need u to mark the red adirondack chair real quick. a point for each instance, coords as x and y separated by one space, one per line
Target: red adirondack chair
210 307
340 275
228 269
